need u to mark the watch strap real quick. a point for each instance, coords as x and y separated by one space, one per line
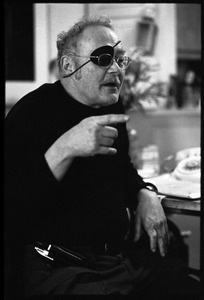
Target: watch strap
151 187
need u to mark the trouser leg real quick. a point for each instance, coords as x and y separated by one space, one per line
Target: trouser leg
156 275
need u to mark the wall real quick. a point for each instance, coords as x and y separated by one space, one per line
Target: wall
165 51
61 17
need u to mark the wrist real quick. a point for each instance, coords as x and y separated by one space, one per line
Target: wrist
148 191
58 161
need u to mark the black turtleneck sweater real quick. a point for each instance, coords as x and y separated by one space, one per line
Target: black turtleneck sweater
89 204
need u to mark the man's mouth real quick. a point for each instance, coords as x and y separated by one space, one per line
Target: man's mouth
112 84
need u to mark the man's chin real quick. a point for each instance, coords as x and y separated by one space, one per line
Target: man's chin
111 99
106 99
110 94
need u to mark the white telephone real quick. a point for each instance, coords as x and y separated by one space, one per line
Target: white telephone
184 180
188 165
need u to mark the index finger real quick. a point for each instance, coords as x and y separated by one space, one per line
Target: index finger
112 119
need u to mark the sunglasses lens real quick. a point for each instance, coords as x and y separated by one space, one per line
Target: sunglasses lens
123 62
105 60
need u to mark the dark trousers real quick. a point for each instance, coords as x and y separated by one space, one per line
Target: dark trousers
134 271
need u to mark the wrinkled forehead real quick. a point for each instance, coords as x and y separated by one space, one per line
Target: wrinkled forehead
99 40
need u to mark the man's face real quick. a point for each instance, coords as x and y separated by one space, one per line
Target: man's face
94 86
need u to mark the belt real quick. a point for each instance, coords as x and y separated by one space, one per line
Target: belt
106 248
100 248
60 255
78 255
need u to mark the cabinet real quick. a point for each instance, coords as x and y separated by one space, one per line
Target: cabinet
189 31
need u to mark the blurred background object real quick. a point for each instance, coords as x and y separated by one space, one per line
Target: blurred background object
53 70
142 90
149 164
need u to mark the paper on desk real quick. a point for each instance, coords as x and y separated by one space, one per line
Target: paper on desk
170 186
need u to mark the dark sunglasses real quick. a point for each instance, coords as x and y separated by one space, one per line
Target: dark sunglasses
103 57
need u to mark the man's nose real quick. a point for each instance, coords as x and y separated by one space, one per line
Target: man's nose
115 67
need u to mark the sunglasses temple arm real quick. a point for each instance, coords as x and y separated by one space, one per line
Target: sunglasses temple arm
116 44
65 76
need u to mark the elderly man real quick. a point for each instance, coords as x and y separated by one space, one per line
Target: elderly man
69 181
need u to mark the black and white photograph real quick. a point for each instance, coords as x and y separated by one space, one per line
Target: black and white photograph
102 150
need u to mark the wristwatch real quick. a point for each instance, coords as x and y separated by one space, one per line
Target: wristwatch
151 187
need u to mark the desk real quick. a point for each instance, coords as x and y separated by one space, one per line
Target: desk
180 206
178 196
173 205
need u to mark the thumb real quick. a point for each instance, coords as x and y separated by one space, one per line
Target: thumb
138 229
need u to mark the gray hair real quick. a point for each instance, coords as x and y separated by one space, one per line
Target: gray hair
67 41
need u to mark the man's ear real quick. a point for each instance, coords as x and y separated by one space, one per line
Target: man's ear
67 64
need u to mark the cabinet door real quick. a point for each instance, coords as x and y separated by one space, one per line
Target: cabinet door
189 30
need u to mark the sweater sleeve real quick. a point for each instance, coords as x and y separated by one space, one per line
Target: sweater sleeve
133 181
29 183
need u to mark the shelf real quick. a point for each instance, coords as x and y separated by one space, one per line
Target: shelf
174 112
168 112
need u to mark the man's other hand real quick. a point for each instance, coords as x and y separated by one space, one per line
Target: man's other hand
151 217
